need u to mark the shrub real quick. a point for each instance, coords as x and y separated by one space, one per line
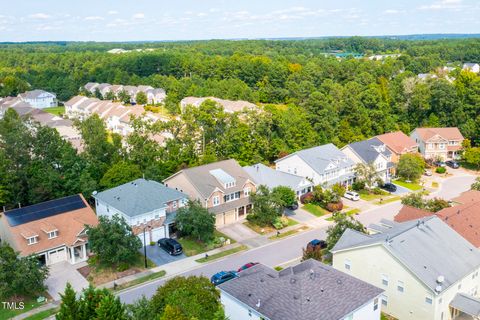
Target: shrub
306 198
284 221
358 185
440 170
277 223
152 243
122 266
335 206
339 189
377 190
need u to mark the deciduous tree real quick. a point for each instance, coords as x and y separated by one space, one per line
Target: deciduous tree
196 221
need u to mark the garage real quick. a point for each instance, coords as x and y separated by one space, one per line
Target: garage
158 233
147 238
230 217
56 256
219 220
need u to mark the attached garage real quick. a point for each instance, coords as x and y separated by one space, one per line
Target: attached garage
230 217
219 219
147 238
158 233
56 256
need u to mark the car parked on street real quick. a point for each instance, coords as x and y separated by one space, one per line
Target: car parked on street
172 246
246 266
439 163
390 187
452 164
315 242
351 195
223 276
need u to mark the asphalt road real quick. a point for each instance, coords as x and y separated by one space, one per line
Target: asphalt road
283 251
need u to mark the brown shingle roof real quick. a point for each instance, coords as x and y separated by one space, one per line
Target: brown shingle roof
451 133
397 141
408 213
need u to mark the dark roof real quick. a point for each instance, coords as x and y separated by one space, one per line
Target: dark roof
307 291
43 210
369 150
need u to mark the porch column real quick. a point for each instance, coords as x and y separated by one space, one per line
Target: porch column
72 252
84 251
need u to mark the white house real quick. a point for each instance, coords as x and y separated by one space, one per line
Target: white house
146 205
323 165
428 270
39 99
155 96
473 67
307 291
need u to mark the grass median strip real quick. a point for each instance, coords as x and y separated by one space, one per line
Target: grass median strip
43 314
287 233
388 200
222 254
138 281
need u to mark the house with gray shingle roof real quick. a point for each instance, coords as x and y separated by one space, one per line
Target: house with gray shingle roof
263 175
323 165
39 99
144 204
371 152
422 265
222 187
310 290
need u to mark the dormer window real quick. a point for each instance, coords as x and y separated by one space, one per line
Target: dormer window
230 184
32 240
52 234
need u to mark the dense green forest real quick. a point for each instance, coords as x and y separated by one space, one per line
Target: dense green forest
308 97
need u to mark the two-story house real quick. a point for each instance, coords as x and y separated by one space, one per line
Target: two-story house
54 231
263 175
39 99
426 268
310 290
323 165
223 187
472 67
147 206
398 143
371 152
438 143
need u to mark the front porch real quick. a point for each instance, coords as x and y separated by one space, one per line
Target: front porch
78 253
465 307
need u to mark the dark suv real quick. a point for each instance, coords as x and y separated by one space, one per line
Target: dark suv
171 246
390 187
317 243
452 164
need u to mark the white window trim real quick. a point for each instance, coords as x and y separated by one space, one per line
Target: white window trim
32 240
53 234
216 200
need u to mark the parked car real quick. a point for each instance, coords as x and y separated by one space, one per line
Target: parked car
293 206
352 195
390 187
246 266
427 172
452 164
315 242
223 276
439 163
172 246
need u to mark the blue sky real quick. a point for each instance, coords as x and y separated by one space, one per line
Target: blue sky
121 20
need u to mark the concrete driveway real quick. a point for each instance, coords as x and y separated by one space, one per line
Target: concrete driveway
300 215
60 274
400 190
238 232
160 256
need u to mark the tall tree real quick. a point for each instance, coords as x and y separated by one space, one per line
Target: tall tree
410 166
342 222
120 173
266 206
69 306
196 221
141 98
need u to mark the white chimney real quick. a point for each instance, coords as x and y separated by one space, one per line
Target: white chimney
258 304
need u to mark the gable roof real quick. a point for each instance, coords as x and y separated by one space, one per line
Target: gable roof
369 150
307 291
398 142
429 248
451 133
467 304
408 213
263 175
139 197
34 94
320 157
205 182
228 105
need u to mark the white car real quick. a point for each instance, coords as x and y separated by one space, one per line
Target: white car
352 195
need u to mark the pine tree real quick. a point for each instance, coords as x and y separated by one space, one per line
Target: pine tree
69 307
110 308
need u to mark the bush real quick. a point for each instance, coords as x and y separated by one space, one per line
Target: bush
152 243
284 221
377 191
123 266
440 170
277 224
306 198
335 206
339 189
358 185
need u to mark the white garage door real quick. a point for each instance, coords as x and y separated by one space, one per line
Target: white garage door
147 238
158 234
56 256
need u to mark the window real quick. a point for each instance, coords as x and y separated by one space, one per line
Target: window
232 196
400 286
52 234
428 300
384 279
384 300
32 240
246 191
348 264
216 200
375 304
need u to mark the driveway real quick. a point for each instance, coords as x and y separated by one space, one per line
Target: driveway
160 256
60 274
400 190
238 232
300 215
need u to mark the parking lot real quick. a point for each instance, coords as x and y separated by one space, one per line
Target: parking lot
160 256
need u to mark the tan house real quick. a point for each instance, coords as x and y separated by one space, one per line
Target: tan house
223 187
54 231
398 143
438 143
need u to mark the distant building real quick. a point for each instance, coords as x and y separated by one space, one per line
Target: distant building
54 231
39 99
308 291
473 67
438 143
154 95
228 106
398 143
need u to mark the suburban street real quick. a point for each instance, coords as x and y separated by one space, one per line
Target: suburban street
290 249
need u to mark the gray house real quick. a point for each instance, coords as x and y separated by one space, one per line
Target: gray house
39 98
263 175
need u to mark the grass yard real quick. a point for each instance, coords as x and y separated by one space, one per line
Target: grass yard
192 247
434 184
287 233
315 210
43 314
267 229
29 304
222 254
388 200
409 185
348 213
138 281
55 110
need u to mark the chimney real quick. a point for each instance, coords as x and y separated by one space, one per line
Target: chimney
259 303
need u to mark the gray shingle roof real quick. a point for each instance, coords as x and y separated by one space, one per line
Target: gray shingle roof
369 150
272 178
307 291
429 248
318 158
139 197
34 94
467 304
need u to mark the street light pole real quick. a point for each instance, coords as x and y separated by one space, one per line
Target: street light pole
145 246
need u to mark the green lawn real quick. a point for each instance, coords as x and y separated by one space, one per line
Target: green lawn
348 213
315 210
284 234
193 247
146 278
409 185
28 305
468 166
365 195
267 229
55 110
43 314
222 254
388 200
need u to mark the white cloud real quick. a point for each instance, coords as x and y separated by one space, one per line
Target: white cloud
201 14
443 4
112 12
138 16
40 16
93 18
393 11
